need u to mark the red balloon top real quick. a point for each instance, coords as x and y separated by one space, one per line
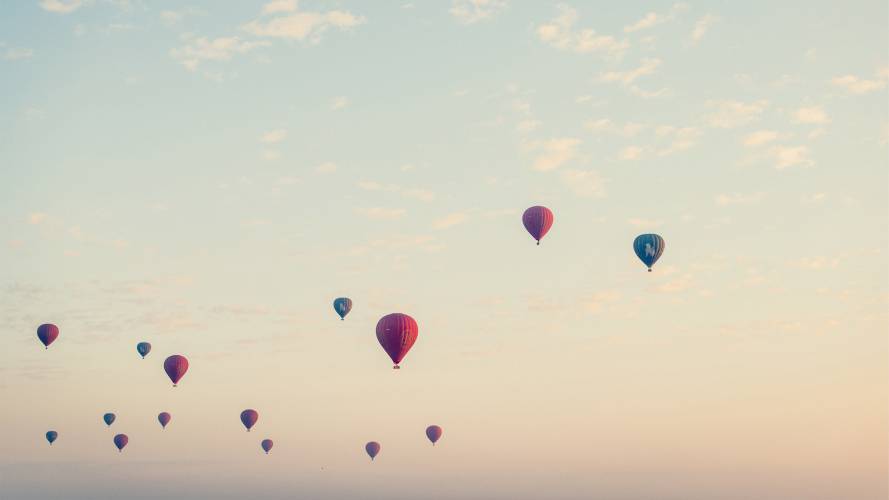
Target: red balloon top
397 333
538 220
175 366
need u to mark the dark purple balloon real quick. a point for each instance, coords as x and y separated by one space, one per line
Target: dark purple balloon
47 333
120 441
267 445
537 221
372 448
249 418
164 418
176 366
433 432
397 333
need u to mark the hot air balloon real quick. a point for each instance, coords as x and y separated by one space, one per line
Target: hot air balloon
51 436
249 418
108 418
47 333
397 332
649 248
372 448
267 445
164 418
537 221
175 366
433 432
143 348
120 441
342 306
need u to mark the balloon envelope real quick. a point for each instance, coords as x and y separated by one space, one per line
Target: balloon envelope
433 432
143 348
176 366
47 333
108 418
372 448
51 436
164 418
538 220
397 333
267 445
120 441
342 306
249 418
649 248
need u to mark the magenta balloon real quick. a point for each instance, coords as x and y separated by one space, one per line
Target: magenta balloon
176 366
249 418
397 333
47 333
164 418
267 445
120 441
433 432
372 448
537 221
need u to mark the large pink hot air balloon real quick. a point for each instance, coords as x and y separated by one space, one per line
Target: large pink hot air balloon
120 441
397 333
249 418
433 432
372 448
537 221
267 445
175 366
47 333
164 418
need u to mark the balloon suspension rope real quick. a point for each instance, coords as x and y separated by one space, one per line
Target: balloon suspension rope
538 242
649 269
396 367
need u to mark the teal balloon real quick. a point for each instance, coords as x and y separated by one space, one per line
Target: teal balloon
649 248
143 348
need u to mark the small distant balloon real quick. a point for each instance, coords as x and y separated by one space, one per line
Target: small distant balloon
164 418
372 448
649 248
143 348
249 418
120 441
397 333
108 418
47 333
267 445
51 436
538 220
433 432
342 306
176 366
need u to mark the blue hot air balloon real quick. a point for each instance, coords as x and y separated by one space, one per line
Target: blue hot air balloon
143 348
649 248
51 436
108 418
342 306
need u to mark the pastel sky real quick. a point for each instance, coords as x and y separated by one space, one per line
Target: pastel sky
208 176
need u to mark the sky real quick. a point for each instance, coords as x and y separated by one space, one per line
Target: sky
209 176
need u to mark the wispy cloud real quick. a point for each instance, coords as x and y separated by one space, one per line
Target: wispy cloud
811 115
731 114
702 27
198 50
584 183
61 6
339 103
554 152
647 67
791 156
415 193
560 33
297 24
473 11
381 213
327 167
653 19
37 218
858 85
606 126
680 138
450 220
739 199
14 53
760 137
273 136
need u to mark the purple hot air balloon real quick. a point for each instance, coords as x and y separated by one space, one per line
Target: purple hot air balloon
249 418
267 445
51 436
176 366
47 333
372 448
537 221
433 432
164 418
397 333
120 441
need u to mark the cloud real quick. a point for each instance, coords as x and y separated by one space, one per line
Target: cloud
639 222
419 194
791 156
326 168
473 11
450 220
813 199
811 115
339 103
61 6
631 153
201 49
37 218
556 152
381 213
816 263
174 17
653 19
731 114
858 85
739 199
702 26
647 67
559 33
415 193
585 183
14 53
273 136
299 25
606 126
760 137
526 126
271 155
681 138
